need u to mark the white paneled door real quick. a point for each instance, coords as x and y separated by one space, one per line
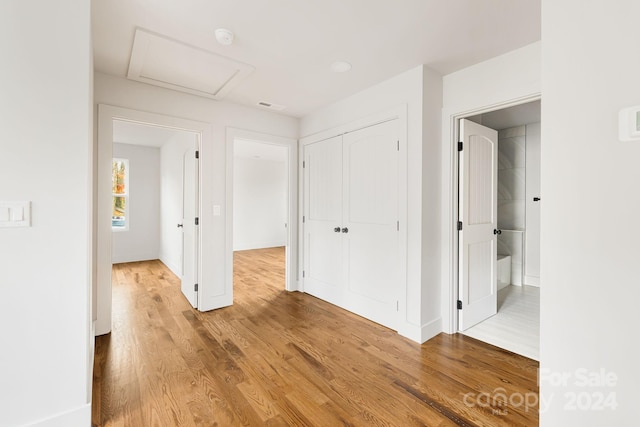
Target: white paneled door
478 298
370 221
351 221
323 219
190 173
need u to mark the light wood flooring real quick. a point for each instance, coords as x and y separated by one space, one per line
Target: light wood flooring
288 359
516 326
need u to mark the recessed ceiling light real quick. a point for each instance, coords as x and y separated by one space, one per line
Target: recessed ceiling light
224 36
340 67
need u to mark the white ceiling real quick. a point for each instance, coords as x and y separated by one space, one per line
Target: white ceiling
292 43
518 115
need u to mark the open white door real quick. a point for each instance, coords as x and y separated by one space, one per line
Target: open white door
478 189
189 226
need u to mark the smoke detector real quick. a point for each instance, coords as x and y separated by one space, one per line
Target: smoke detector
224 36
340 67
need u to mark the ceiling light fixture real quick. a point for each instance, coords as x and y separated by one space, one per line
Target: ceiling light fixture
224 36
340 67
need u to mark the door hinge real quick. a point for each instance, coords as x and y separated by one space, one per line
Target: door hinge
459 305
197 221
397 225
460 146
303 219
195 287
197 154
397 305
398 145
304 164
459 225
303 274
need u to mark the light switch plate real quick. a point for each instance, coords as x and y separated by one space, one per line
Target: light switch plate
15 214
629 124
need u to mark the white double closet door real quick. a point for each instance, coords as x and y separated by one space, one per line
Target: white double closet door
351 237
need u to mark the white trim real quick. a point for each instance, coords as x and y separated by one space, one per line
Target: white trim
75 417
532 281
374 119
399 112
106 115
450 119
422 333
291 274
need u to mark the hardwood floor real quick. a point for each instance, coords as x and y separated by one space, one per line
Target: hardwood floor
278 359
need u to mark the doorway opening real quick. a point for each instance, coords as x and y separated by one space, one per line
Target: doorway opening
503 266
162 200
261 204
260 212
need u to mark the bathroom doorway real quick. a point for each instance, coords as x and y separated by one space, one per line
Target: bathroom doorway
512 282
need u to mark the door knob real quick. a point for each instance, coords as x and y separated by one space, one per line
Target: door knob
496 231
345 230
179 225
336 229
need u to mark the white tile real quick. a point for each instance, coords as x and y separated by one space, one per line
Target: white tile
511 152
511 214
514 131
511 184
516 327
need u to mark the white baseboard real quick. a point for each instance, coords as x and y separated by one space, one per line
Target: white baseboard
175 269
101 327
79 417
431 329
243 246
423 333
532 281
120 258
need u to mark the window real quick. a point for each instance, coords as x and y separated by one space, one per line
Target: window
120 192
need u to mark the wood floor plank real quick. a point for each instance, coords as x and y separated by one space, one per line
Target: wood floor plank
276 358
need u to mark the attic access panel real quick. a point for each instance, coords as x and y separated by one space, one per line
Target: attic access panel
169 63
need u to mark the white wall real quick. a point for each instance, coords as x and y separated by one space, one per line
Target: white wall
216 282
141 240
259 203
171 165
589 265
420 90
489 85
45 141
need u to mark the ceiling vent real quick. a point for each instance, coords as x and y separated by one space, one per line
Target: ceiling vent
169 63
271 106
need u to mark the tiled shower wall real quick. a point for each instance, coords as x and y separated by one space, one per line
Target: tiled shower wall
511 197
511 178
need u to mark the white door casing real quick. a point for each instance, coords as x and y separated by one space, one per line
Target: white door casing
190 174
532 206
478 215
